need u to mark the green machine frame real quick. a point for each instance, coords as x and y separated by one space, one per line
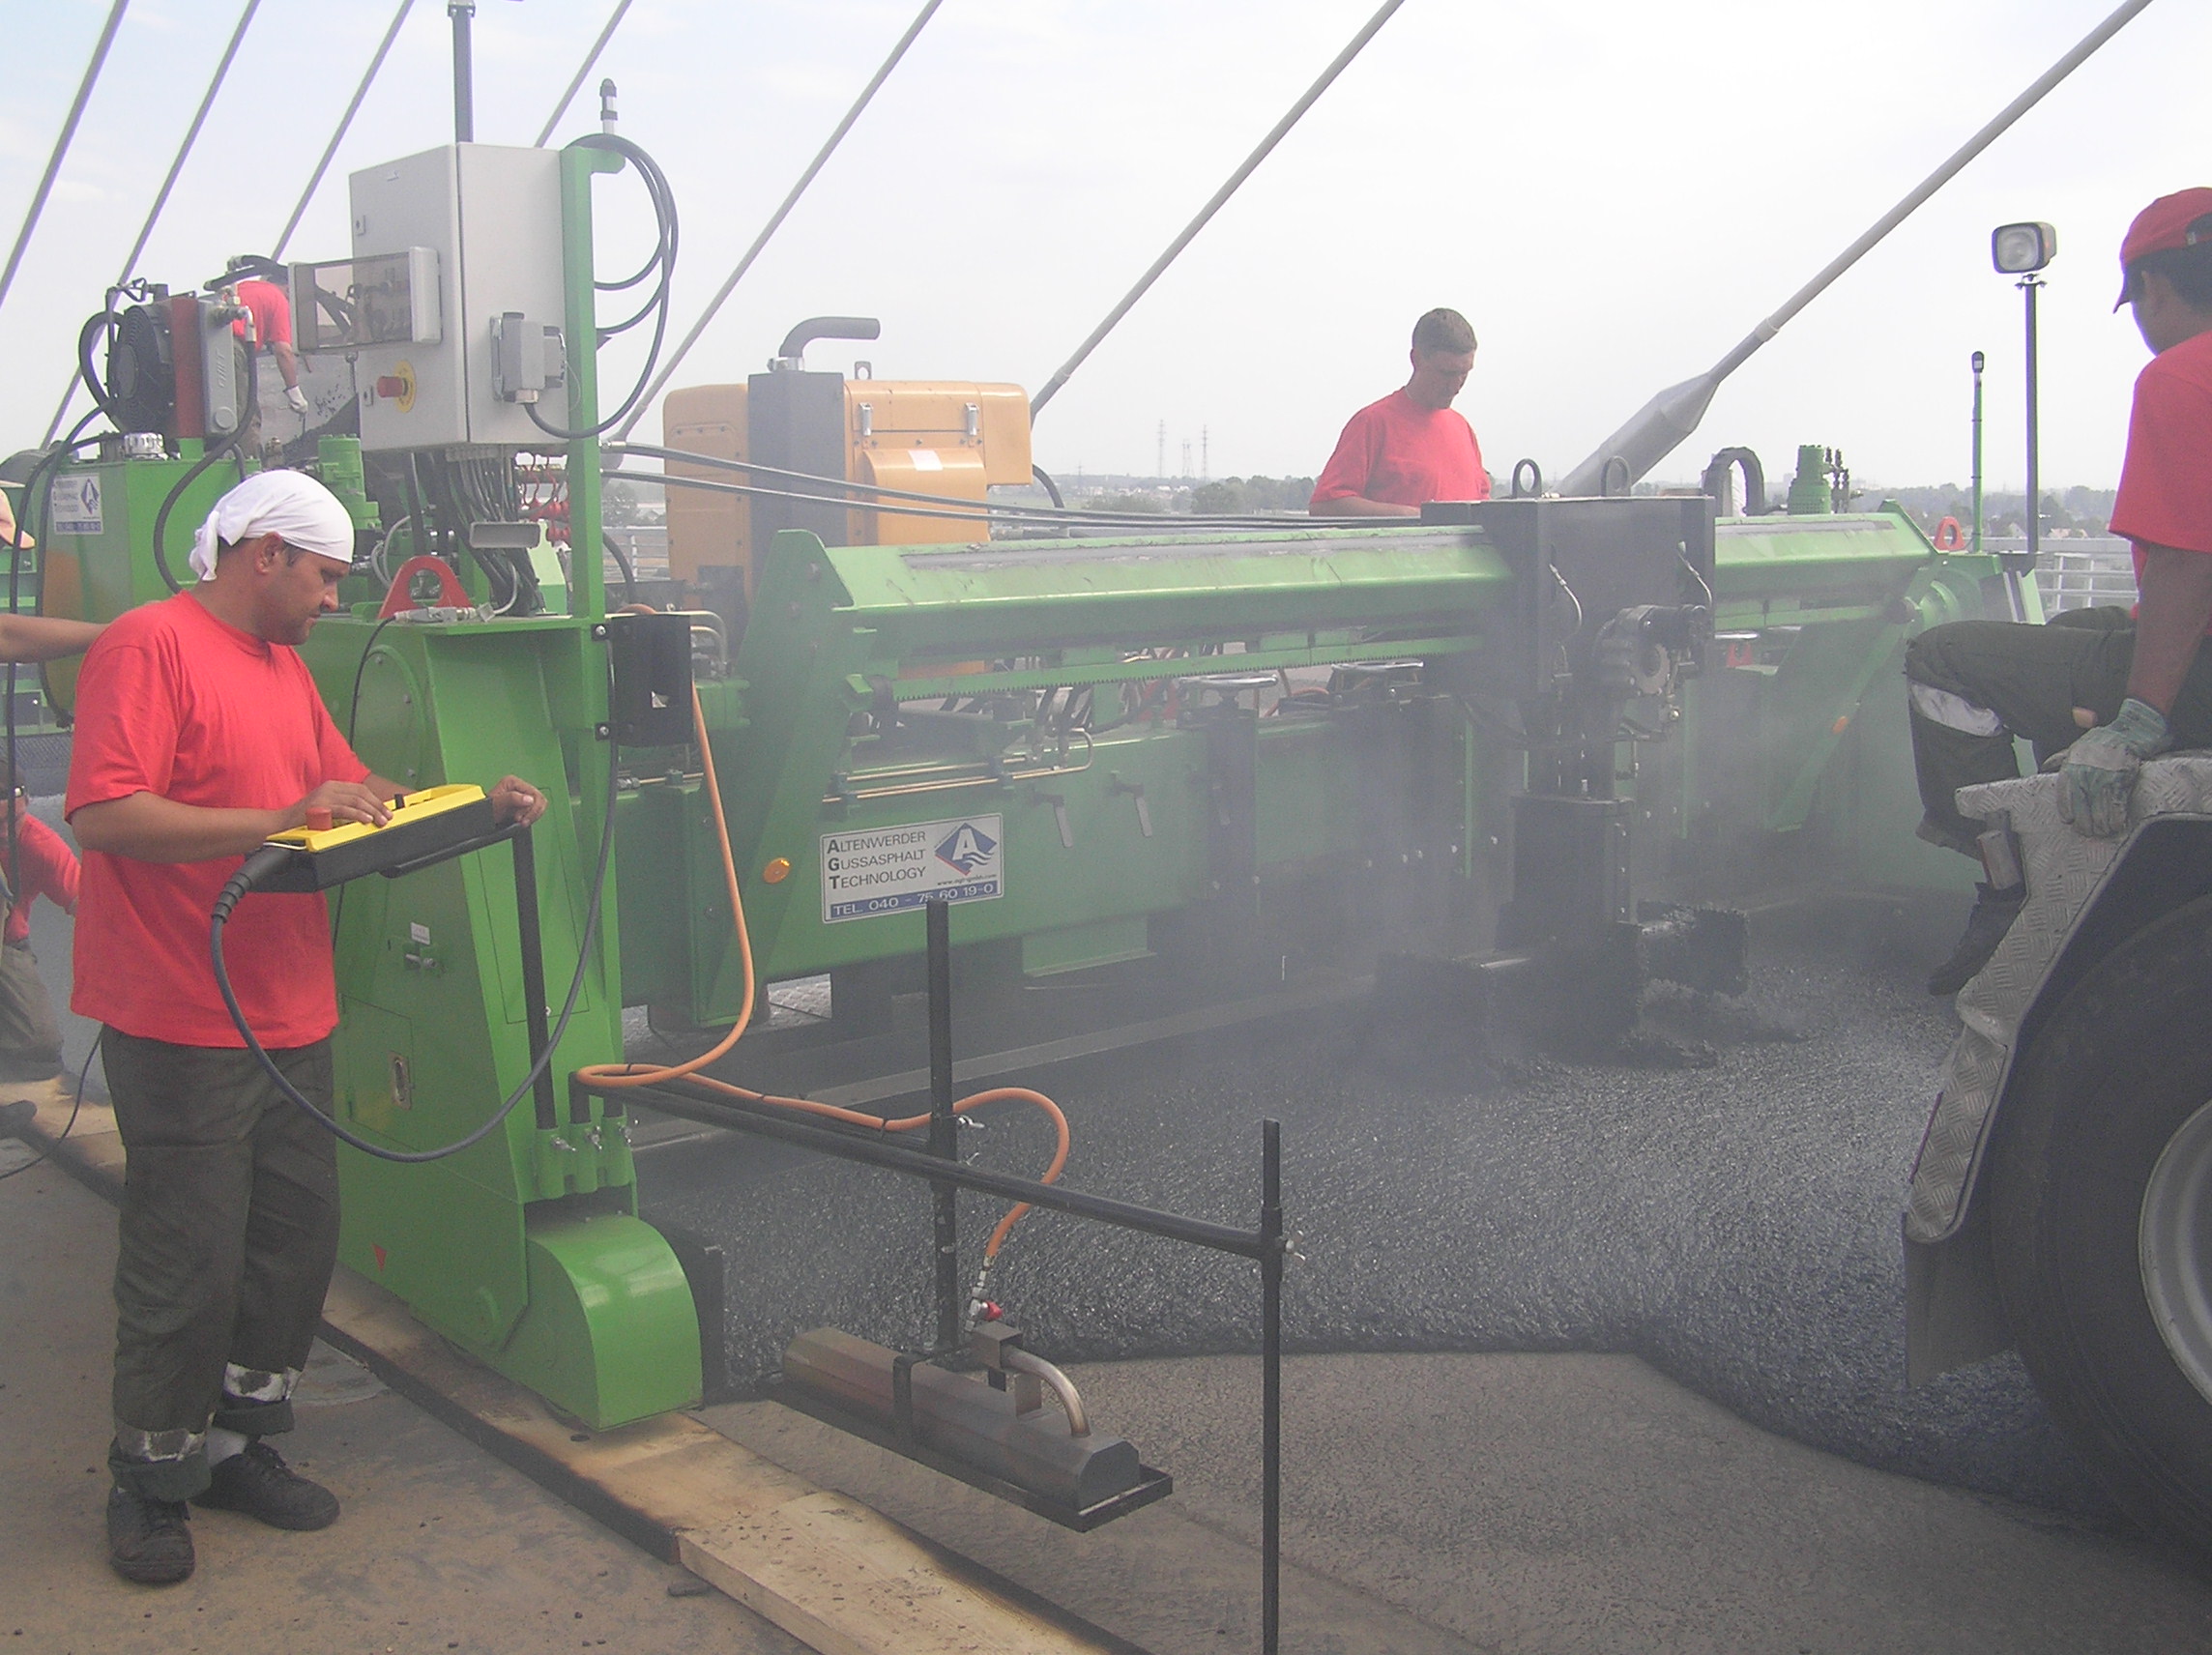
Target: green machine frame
1294 739
527 1250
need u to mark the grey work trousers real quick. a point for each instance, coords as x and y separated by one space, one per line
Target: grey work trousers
229 1233
30 1036
2021 682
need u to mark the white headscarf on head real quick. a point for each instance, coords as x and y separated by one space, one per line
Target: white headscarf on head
286 503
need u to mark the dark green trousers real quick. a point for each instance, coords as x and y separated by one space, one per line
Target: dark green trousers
2021 682
229 1233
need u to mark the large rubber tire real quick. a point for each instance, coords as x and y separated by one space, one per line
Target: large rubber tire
2119 1078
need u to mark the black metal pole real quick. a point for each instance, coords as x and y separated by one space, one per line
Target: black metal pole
463 13
944 1125
1270 1385
533 973
766 1121
2034 457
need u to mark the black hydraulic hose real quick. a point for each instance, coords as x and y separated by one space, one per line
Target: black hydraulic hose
98 325
353 717
1051 488
662 260
200 466
622 562
76 1106
266 860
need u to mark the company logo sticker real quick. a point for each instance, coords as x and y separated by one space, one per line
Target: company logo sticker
889 870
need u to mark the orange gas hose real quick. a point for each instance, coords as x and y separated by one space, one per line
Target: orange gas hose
611 1076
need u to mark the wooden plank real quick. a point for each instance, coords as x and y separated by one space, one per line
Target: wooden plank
846 1580
838 1576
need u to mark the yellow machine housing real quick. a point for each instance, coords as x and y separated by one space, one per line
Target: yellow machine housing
924 436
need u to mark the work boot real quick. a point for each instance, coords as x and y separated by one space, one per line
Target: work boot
1994 911
256 1481
148 1541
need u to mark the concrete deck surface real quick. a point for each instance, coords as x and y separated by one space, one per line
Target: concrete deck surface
441 1547
1529 1505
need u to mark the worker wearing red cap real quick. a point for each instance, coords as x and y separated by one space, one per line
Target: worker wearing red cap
2139 683
1410 447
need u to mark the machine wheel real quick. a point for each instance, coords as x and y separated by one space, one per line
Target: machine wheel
2102 1222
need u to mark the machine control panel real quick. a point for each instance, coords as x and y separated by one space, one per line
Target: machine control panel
425 827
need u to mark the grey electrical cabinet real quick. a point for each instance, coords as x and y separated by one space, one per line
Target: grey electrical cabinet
490 217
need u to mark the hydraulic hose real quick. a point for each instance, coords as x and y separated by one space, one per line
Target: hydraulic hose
268 858
621 562
607 1077
661 263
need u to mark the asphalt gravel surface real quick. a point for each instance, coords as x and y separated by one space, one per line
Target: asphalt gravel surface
1736 1225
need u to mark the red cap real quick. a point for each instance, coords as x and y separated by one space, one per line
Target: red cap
2164 225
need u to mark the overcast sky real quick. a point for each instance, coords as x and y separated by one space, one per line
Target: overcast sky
1614 192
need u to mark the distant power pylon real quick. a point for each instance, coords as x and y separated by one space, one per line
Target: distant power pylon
1160 450
1205 463
1186 456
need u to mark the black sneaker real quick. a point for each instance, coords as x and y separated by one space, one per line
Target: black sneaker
1994 911
257 1482
148 1540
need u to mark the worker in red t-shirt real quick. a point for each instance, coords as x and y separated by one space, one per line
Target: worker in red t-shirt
257 282
42 865
2137 683
1410 447
199 734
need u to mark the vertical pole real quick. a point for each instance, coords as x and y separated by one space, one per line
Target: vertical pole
586 585
1977 359
462 13
1270 1385
944 1125
2034 457
534 1009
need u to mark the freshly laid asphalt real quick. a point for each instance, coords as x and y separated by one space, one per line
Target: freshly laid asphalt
1735 1226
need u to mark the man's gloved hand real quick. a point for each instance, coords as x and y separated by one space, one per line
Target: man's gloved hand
2099 769
297 398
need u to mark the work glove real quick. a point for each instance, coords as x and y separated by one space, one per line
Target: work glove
297 398
2099 771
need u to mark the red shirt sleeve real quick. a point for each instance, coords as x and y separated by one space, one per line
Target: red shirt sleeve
49 865
1348 468
2166 482
115 755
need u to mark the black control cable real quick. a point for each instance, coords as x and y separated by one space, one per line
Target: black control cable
83 1072
661 263
264 862
621 562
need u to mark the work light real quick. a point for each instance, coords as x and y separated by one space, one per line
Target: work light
2019 248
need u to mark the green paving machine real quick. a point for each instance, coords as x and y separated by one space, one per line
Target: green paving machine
1520 747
